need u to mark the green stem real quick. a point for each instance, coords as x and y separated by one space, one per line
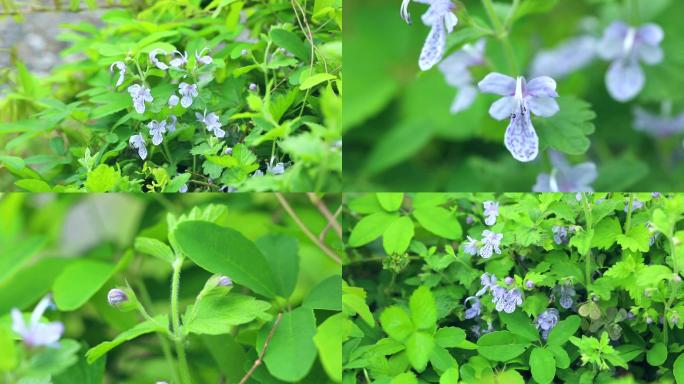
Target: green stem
502 35
675 282
628 222
168 154
175 323
589 222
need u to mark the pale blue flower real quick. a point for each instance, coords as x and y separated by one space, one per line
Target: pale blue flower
546 321
565 177
157 63
488 282
277 169
211 121
471 246
565 59
441 20
474 309
567 295
519 101
187 92
625 47
658 125
140 95
490 243
138 142
560 234
636 204
507 300
183 188
180 61
457 74
35 333
121 66
157 130
171 125
225 281
491 212
203 59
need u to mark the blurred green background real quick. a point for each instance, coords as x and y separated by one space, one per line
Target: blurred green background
400 135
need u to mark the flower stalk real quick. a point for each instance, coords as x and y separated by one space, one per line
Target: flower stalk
179 339
502 35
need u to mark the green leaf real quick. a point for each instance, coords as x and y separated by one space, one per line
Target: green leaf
154 247
450 376
33 185
501 346
291 42
282 254
157 324
398 235
567 130
79 282
519 324
226 251
606 233
329 338
534 6
113 103
450 337
423 308
560 355
326 295
30 284
390 201
542 365
565 328
370 228
292 351
404 378
396 323
53 361
636 239
678 369
657 355
418 349
19 254
354 303
82 373
314 80
102 179
651 275
216 313
438 221
398 144
8 358
582 241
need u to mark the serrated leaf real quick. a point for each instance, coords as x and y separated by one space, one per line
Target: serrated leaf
419 346
567 130
396 323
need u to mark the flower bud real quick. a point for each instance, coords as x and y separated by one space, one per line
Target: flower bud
252 87
225 281
229 151
508 280
244 52
529 284
117 297
469 220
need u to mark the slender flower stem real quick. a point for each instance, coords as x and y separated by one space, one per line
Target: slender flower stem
676 283
502 35
260 359
175 323
589 222
628 221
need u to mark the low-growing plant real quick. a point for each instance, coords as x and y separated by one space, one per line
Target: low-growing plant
171 96
514 288
205 296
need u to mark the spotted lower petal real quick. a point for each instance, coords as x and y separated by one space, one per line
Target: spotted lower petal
433 49
521 139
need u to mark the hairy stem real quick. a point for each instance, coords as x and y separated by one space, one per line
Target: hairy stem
502 35
175 323
628 221
260 359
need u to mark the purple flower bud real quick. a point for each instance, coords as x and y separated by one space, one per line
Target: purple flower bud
244 52
529 284
225 281
630 315
567 294
508 280
469 220
183 188
228 151
655 195
116 297
252 87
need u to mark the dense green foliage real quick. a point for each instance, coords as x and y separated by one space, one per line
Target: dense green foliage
588 289
400 135
269 72
182 321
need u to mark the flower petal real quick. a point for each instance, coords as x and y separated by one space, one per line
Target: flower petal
465 98
650 54
173 101
218 132
543 106
433 49
624 79
611 44
542 86
498 84
521 139
503 108
18 324
650 34
186 101
543 182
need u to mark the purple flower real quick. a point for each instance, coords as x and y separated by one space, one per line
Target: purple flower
157 63
507 300
560 234
122 71
474 309
180 61
655 195
277 169
116 297
565 177
636 204
658 125
471 246
203 59
157 129
568 57
625 46
211 121
508 280
35 333
469 220
138 142
252 87
529 284
171 125
187 91
140 95
490 243
456 73
491 212
488 282
441 21
546 321
520 99
183 188
567 294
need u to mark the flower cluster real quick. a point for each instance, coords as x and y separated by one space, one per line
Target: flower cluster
491 212
506 299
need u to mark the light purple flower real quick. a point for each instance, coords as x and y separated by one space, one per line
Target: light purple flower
35 333
560 234
546 321
507 300
203 59
277 169
658 125
187 92
456 73
567 295
565 59
488 282
491 212
157 63
519 101
625 46
140 95
474 309
508 280
180 61
211 121
121 66
441 21
138 142
171 125
565 177
636 204
252 87
529 284
157 130
471 246
490 243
